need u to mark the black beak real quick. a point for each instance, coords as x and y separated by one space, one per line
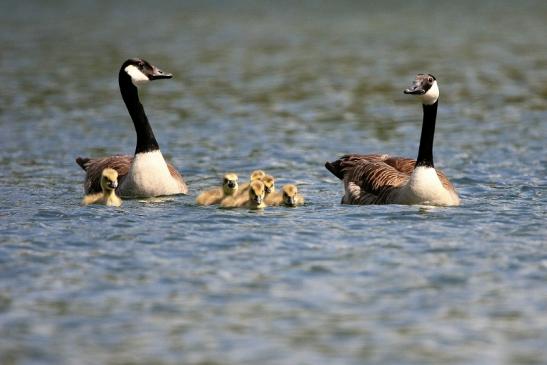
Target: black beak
415 89
231 184
158 74
268 190
258 199
291 202
113 184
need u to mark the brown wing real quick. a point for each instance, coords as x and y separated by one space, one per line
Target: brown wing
372 179
121 163
94 168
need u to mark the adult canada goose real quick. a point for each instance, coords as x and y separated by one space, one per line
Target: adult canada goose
215 196
146 174
383 179
253 200
109 183
288 196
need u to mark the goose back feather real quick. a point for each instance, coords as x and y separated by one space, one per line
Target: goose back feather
375 179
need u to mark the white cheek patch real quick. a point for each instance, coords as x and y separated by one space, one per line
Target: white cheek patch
431 96
137 77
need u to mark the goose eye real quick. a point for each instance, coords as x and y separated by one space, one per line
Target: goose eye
430 79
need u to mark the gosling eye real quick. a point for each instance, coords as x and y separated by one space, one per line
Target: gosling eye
430 79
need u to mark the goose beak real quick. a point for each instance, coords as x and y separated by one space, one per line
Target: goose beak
415 89
258 200
267 190
158 74
113 184
290 202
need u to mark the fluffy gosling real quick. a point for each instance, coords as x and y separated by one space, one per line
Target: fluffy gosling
230 187
269 184
253 200
288 196
255 175
109 183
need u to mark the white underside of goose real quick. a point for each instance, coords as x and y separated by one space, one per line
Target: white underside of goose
424 187
149 176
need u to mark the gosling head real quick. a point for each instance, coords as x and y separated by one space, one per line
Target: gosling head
230 183
256 192
257 175
140 71
269 184
289 195
425 86
109 179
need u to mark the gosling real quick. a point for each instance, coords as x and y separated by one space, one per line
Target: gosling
269 185
230 187
288 197
109 183
255 175
254 200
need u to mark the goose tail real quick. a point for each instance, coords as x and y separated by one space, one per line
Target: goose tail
82 161
335 168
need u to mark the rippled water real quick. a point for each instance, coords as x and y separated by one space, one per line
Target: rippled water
283 87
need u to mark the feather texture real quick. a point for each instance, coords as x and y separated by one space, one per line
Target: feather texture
121 163
376 179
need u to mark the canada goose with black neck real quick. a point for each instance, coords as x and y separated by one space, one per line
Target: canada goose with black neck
145 174
383 179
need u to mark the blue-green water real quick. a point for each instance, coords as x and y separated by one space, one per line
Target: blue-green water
282 87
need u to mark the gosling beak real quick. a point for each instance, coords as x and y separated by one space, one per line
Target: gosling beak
258 200
231 184
158 74
268 190
415 89
291 202
113 184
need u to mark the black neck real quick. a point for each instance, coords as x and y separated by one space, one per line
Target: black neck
146 142
425 153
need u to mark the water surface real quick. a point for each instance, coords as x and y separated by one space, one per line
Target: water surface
285 88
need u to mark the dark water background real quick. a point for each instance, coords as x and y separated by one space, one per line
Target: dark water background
282 86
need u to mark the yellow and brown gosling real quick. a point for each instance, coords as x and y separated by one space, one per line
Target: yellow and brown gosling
109 183
269 184
288 196
230 187
255 175
253 200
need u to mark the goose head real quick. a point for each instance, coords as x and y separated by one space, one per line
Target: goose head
289 195
140 71
109 179
269 184
230 183
256 192
425 87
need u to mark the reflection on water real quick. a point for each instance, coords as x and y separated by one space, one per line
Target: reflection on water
283 87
